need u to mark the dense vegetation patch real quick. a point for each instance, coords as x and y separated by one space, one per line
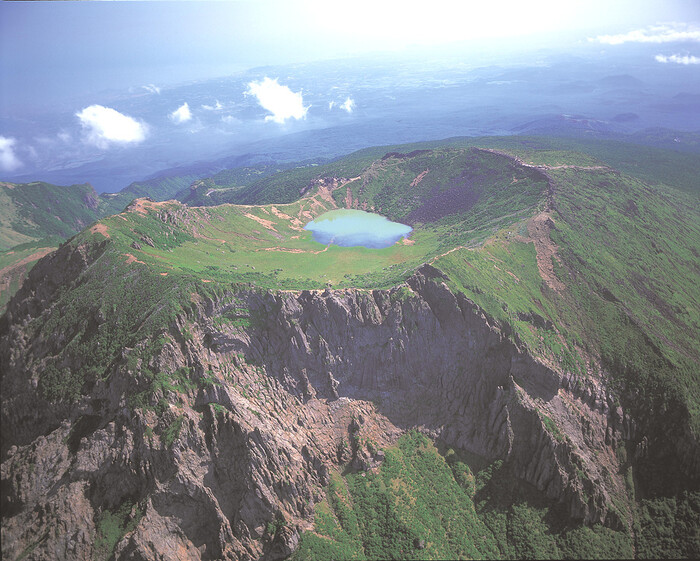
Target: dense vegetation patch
32 211
423 505
112 526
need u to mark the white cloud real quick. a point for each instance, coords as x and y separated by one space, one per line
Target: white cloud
182 114
104 126
151 88
33 154
279 100
678 59
349 105
216 107
666 33
8 159
229 119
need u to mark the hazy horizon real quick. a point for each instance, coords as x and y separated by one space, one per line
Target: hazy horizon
128 88
69 48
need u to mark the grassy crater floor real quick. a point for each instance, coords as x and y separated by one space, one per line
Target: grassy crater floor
451 197
266 245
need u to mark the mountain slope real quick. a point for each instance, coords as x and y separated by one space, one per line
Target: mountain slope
211 381
158 189
32 211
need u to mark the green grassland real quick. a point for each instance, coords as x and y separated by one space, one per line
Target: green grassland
158 189
268 246
653 165
219 188
33 211
627 255
35 216
264 245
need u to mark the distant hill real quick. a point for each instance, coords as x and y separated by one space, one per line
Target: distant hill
621 81
219 187
160 188
32 211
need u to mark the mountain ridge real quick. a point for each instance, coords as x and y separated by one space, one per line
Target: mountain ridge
531 339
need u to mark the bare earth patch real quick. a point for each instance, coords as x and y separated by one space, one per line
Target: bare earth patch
265 223
202 236
293 250
282 249
348 197
295 223
538 228
326 193
142 206
131 259
99 229
419 178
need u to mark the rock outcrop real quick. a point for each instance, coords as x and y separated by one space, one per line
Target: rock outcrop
227 460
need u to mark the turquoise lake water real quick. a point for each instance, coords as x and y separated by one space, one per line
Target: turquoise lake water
349 228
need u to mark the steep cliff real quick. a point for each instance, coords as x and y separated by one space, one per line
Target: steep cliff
233 424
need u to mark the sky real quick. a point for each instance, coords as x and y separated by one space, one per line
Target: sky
59 61
52 50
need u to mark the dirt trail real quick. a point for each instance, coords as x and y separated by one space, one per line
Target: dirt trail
519 161
293 250
540 226
446 253
33 257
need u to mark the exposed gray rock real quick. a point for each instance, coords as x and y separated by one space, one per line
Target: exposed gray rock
288 399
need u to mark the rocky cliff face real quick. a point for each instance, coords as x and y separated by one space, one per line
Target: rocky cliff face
271 392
